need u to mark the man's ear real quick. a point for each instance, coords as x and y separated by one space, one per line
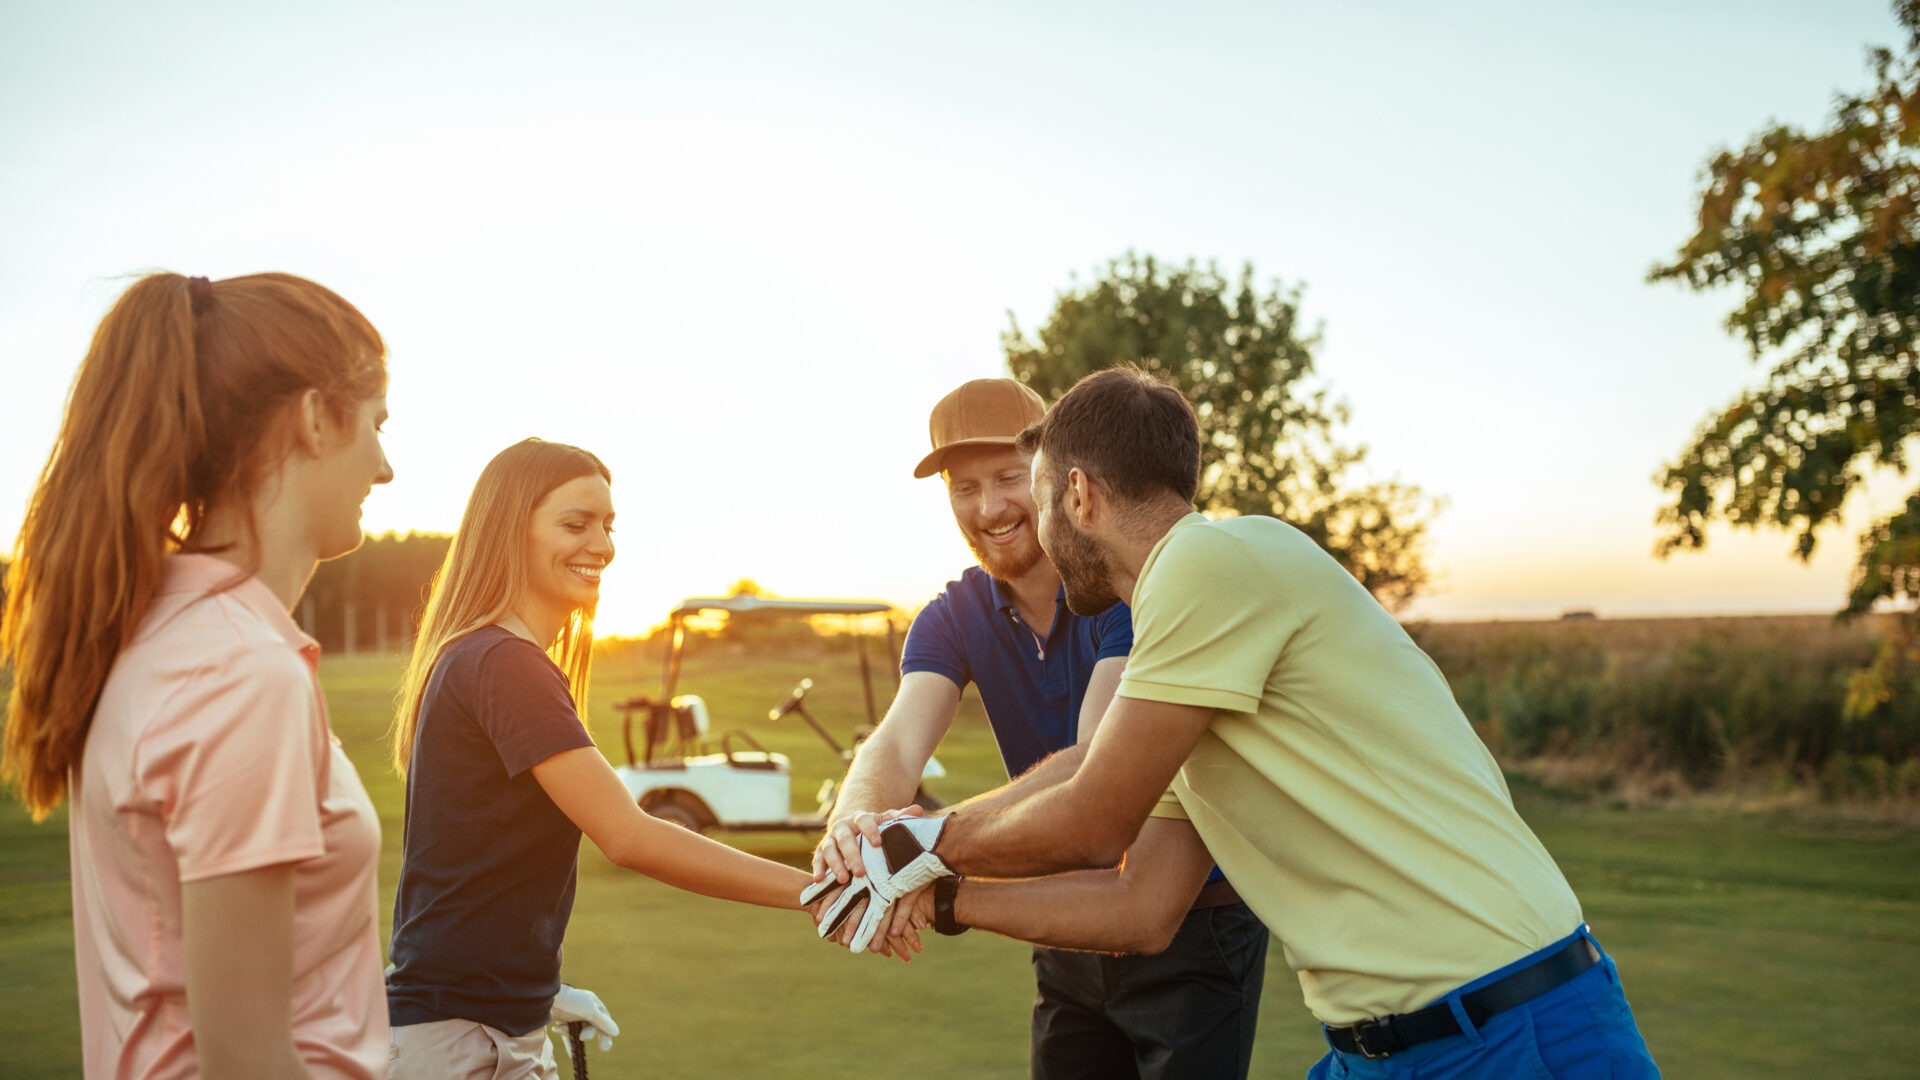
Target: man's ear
1084 498
311 422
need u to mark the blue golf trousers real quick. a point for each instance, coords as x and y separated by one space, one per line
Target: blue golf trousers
1579 1030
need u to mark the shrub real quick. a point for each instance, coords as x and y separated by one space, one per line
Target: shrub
1700 697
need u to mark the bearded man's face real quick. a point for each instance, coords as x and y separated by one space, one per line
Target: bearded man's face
1081 561
990 489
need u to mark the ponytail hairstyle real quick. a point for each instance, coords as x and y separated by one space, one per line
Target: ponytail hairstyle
176 410
485 573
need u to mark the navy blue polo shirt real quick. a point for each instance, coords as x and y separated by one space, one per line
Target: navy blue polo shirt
973 633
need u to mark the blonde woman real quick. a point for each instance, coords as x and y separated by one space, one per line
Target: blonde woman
502 779
218 442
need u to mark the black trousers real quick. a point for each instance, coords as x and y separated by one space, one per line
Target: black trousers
1189 1012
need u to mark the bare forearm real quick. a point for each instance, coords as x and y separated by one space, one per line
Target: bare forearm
673 856
886 771
878 780
1054 769
1137 907
1051 832
1088 819
1081 910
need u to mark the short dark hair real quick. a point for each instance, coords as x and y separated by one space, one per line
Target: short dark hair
1130 430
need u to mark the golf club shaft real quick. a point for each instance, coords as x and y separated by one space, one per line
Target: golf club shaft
578 1049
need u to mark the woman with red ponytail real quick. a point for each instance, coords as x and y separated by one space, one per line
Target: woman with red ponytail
218 442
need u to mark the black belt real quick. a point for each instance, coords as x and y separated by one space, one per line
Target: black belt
1383 1036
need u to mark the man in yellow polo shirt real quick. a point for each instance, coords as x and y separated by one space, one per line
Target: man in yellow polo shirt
1318 754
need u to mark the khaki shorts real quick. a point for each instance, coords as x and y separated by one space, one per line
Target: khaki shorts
465 1050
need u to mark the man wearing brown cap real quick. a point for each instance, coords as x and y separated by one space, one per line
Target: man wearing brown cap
1046 676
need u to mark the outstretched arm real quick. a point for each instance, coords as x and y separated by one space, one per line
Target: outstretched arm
1055 768
1136 907
886 771
911 916
1089 819
585 788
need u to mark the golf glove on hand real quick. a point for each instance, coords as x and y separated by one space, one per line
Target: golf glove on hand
903 862
573 1003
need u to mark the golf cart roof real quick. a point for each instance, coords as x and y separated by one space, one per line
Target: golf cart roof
740 605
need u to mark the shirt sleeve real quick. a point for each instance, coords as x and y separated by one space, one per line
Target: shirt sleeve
933 645
1208 625
236 764
1115 635
525 706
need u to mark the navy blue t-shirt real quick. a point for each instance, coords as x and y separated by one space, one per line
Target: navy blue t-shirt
487 874
972 632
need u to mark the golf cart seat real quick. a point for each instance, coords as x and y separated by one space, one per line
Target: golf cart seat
675 725
690 711
754 757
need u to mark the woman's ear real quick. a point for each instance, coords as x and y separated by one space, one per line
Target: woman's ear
312 423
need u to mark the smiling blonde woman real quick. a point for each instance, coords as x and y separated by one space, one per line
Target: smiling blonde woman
503 778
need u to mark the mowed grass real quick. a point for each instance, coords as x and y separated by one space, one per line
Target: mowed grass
1750 946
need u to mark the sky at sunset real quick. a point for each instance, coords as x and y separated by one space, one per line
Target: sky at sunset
739 250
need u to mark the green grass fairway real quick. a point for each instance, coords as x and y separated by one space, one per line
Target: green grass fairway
1750 946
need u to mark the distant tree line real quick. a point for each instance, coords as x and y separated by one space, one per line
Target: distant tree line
371 600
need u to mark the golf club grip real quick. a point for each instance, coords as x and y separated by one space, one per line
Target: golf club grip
578 1048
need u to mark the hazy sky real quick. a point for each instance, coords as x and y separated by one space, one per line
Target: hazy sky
739 250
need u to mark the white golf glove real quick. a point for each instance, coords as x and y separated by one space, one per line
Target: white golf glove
573 1003
903 862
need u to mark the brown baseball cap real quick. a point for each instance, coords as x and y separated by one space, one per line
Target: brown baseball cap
984 412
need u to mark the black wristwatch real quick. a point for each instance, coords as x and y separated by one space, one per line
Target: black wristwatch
943 893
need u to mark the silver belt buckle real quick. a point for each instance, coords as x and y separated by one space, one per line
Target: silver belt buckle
1373 1024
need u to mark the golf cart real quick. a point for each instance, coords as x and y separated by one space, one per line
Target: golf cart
678 774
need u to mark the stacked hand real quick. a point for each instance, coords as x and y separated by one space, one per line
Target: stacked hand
873 880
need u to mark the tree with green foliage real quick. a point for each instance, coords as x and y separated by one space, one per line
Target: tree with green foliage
1820 235
1268 436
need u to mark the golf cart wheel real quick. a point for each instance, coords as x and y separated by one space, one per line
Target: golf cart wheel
676 813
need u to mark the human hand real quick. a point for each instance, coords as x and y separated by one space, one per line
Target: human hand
838 853
573 1003
901 944
815 899
899 864
909 916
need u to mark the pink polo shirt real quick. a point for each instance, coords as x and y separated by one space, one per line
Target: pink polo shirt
210 754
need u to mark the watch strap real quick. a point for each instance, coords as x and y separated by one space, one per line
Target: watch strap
944 890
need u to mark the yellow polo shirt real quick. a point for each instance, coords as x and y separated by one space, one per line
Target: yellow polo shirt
1338 785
